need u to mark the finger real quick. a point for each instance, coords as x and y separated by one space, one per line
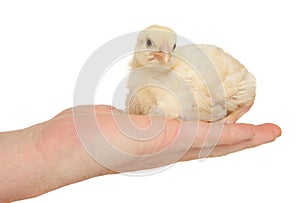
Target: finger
263 134
234 133
209 135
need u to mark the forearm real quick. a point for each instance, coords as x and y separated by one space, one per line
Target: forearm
33 163
16 176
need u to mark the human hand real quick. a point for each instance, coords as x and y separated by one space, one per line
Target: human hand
176 141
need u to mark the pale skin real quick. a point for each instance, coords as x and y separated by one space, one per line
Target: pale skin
49 155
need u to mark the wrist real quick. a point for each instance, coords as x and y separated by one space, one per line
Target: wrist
64 159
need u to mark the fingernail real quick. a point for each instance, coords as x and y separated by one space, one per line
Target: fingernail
277 130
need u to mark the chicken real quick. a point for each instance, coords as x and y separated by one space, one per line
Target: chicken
191 82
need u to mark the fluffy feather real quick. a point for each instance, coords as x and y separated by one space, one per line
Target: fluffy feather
193 82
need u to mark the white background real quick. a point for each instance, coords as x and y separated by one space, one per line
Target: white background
43 46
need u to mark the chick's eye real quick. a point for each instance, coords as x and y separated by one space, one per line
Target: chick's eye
174 46
149 43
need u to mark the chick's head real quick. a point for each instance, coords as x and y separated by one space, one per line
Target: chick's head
155 46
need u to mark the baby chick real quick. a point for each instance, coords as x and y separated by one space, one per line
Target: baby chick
192 82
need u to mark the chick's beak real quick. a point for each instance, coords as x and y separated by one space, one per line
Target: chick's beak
163 55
